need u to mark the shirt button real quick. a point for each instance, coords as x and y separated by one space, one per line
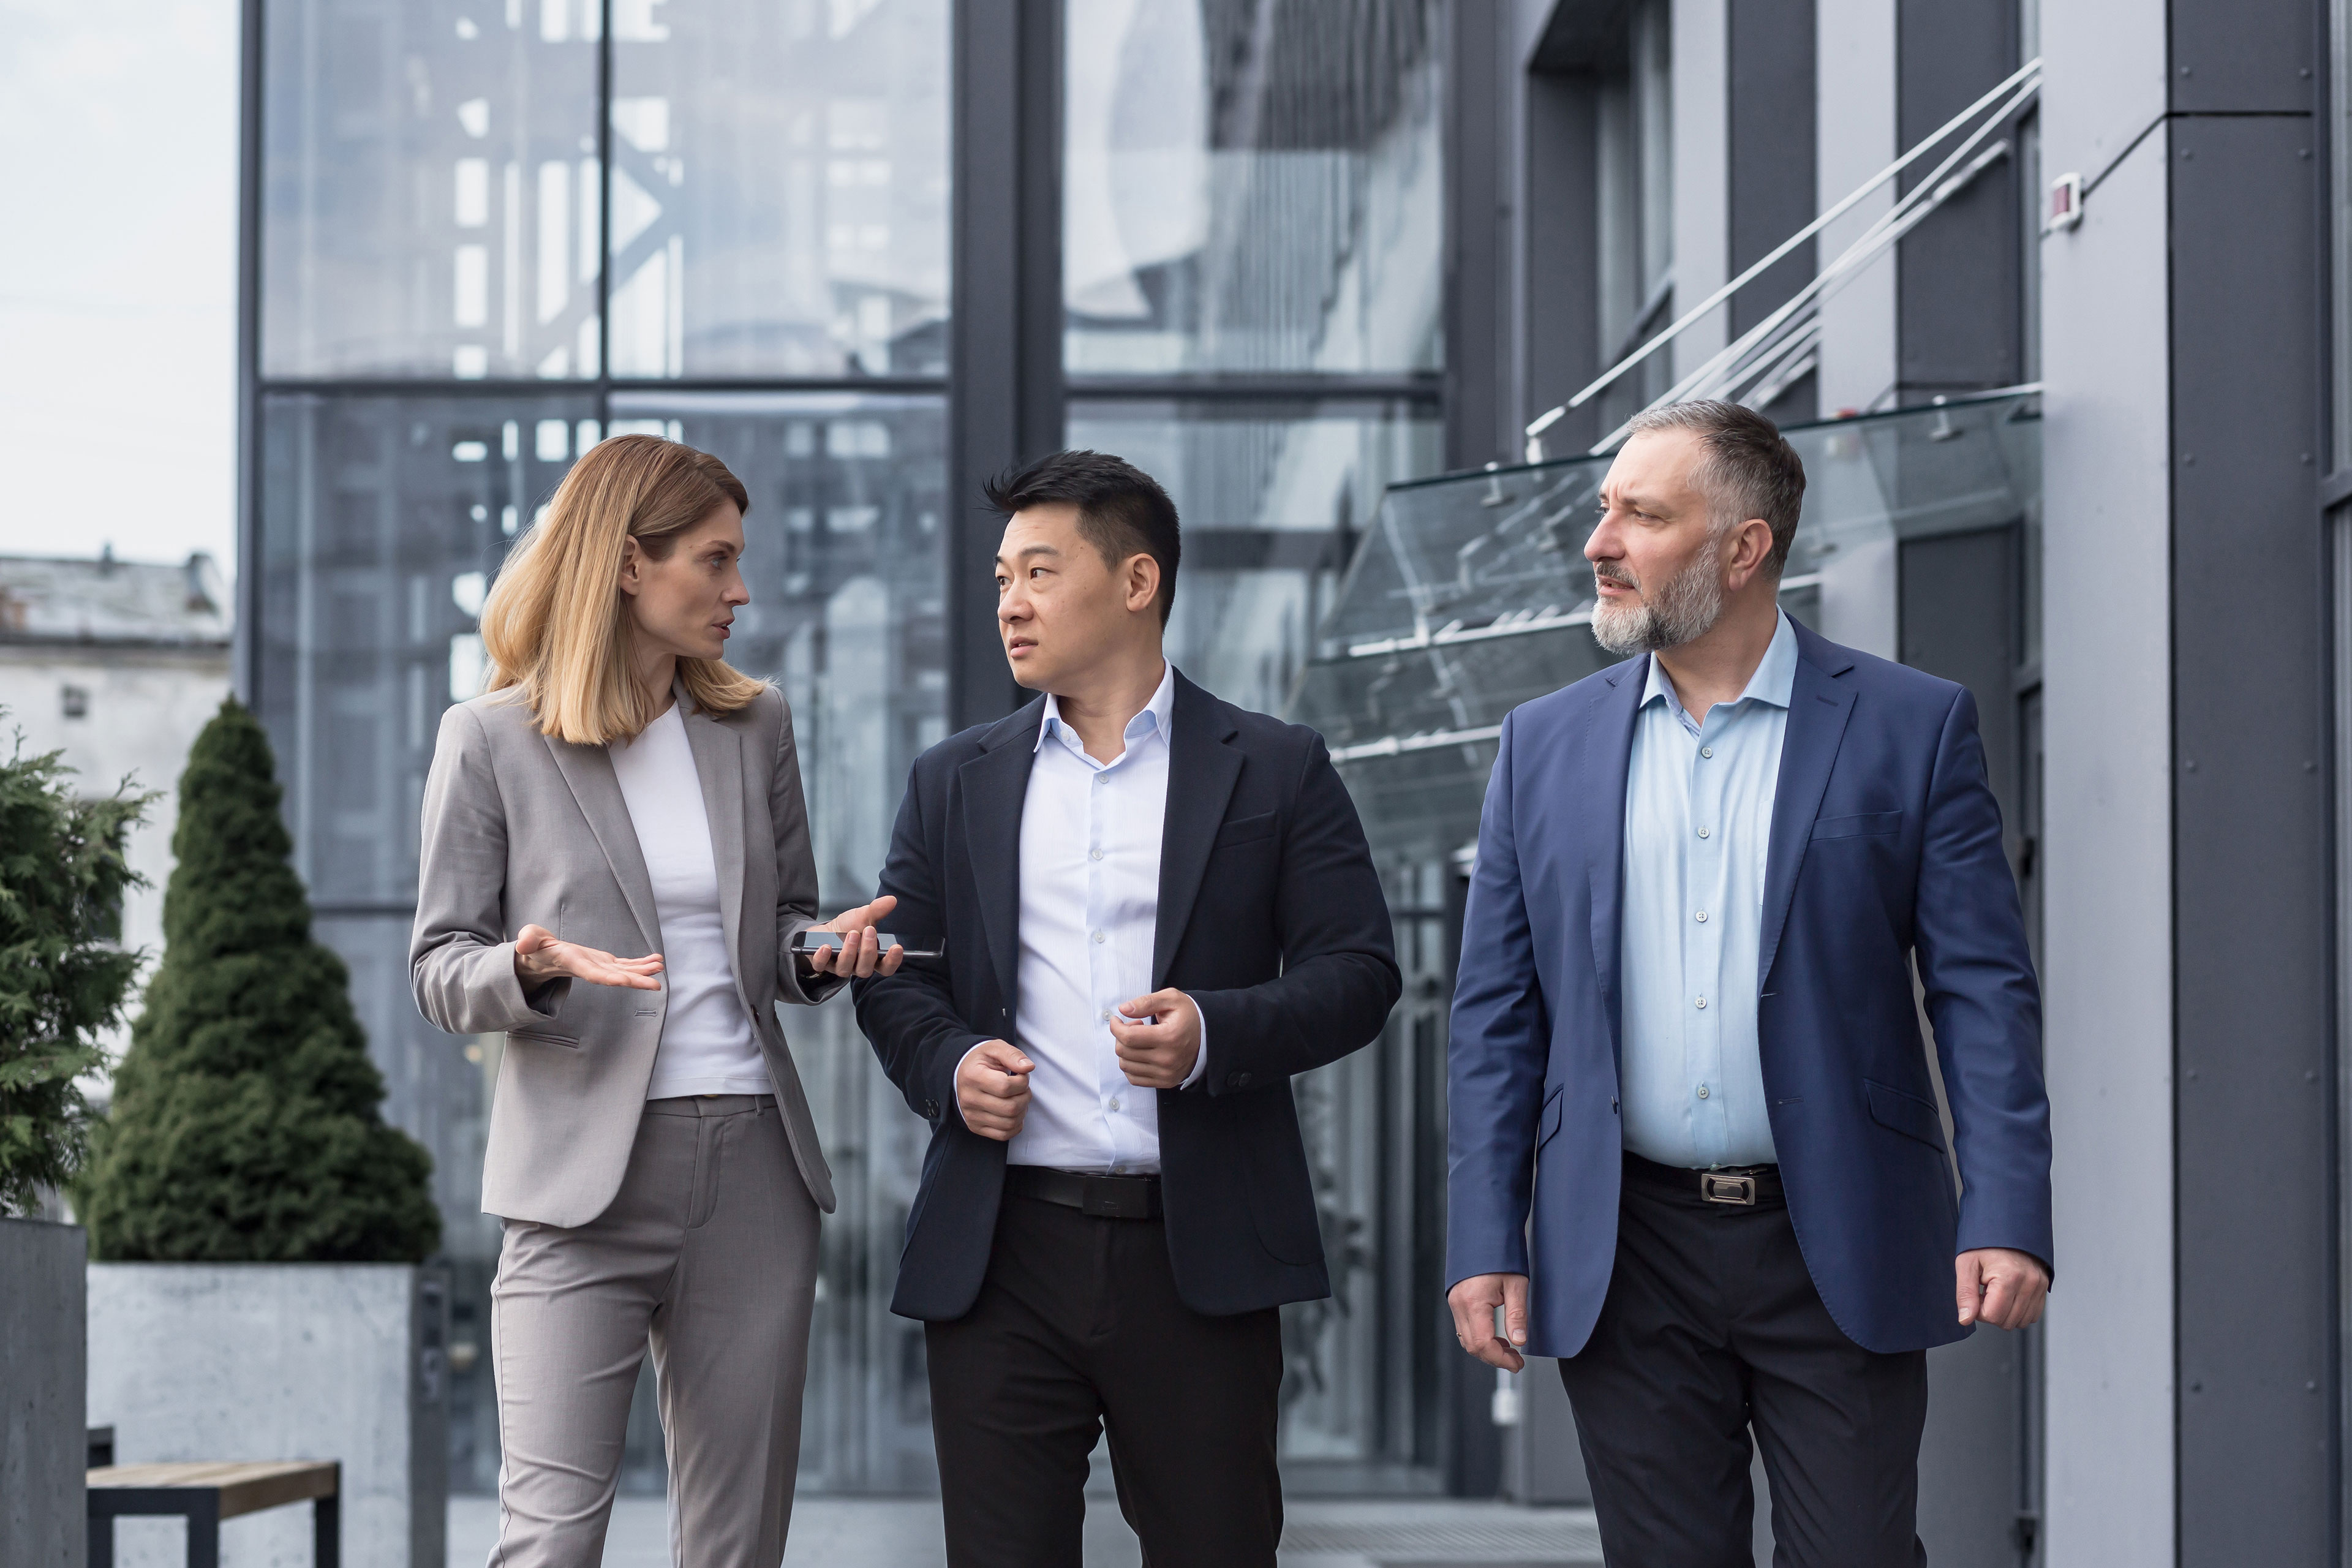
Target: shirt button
1705 832
1702 917
1702 1003
1114 1105
1094 854
1106 1018
1099 937
1702 1094
1707 750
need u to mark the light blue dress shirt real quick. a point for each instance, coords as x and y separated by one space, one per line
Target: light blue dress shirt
1698 825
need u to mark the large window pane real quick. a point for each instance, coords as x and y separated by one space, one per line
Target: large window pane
1252 187
1273 497
382 520
779 189
430 188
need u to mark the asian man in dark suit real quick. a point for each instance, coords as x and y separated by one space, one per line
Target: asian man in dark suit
1695 1152
1155 909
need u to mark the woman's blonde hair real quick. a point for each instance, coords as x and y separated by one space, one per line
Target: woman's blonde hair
555 626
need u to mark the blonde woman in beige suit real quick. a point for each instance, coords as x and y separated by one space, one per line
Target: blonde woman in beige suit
621 791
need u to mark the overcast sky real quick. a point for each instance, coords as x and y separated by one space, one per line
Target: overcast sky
118 276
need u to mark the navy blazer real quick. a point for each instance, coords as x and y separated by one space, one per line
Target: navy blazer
1886 849
1271 918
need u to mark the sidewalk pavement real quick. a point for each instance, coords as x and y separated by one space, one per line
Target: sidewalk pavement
1321 1533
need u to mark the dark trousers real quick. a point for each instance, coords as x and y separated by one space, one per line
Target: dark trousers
1078 1331
1712 1324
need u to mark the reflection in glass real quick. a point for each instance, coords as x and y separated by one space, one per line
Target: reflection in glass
779 189
382 520
844 560
1273 497
1252 188
430 188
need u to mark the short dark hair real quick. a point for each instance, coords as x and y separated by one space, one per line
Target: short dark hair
1750 471
1123 511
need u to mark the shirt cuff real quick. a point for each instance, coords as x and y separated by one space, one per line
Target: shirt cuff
1200 1062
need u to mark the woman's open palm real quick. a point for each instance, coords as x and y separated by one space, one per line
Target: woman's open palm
539 957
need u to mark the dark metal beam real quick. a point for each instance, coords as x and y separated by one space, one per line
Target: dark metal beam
1477 254
2254 1283
1004 327
244 651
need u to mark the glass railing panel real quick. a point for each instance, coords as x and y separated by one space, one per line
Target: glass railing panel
1471 594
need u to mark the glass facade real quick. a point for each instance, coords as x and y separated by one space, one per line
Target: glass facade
1252 188
495 231
779 189
431 189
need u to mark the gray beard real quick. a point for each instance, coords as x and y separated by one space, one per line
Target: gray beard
1683 611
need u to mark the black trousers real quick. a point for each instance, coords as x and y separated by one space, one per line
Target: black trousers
1711 1325
1078 1331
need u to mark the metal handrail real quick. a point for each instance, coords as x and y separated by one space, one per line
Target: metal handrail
1882 235
2025 76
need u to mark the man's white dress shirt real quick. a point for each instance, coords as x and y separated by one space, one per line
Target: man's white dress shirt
1089 912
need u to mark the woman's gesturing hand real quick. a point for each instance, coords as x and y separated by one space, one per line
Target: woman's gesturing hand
861 954
540 958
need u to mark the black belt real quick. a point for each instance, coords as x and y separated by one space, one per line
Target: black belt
1105 1197
1741 1185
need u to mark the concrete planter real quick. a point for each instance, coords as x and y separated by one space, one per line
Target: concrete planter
42 1448
281 1361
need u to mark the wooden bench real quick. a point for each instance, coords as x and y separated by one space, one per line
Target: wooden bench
206 1492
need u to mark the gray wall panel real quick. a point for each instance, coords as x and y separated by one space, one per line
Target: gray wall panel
1960 281
2239 58
2250 848
1771 157
1478 260
1562 307
2106 870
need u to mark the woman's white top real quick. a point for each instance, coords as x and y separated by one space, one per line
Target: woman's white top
706 1043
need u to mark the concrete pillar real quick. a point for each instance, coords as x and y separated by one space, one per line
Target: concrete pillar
42 1448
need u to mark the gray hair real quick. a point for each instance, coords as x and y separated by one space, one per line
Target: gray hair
1750 470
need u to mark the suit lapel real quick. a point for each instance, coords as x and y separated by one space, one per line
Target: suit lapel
588 770
1609 760
995 786
718 763
1819 706
1200 773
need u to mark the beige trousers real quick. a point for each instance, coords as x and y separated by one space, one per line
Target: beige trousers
708 1252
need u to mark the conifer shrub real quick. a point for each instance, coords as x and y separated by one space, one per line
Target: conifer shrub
63 976
246 1122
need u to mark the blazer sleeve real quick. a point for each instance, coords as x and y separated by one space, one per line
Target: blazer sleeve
910 1017
1339 977
1981 996
1497 1045
796 879
460 964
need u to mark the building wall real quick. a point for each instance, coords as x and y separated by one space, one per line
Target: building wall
144 709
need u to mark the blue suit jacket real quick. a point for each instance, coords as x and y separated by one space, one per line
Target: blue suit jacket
1885 848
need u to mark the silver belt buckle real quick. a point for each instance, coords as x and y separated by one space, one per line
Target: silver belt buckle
1728 1189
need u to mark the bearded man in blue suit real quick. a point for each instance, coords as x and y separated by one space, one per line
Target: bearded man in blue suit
1695 1148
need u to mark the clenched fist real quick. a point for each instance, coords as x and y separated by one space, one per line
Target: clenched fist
992 1085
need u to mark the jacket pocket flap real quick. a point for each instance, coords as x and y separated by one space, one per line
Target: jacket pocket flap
544 1038
1551 1114
1862 826
1905 1113
1244 830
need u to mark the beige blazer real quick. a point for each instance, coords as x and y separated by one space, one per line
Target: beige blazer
521 829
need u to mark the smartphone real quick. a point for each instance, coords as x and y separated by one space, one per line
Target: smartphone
813 942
